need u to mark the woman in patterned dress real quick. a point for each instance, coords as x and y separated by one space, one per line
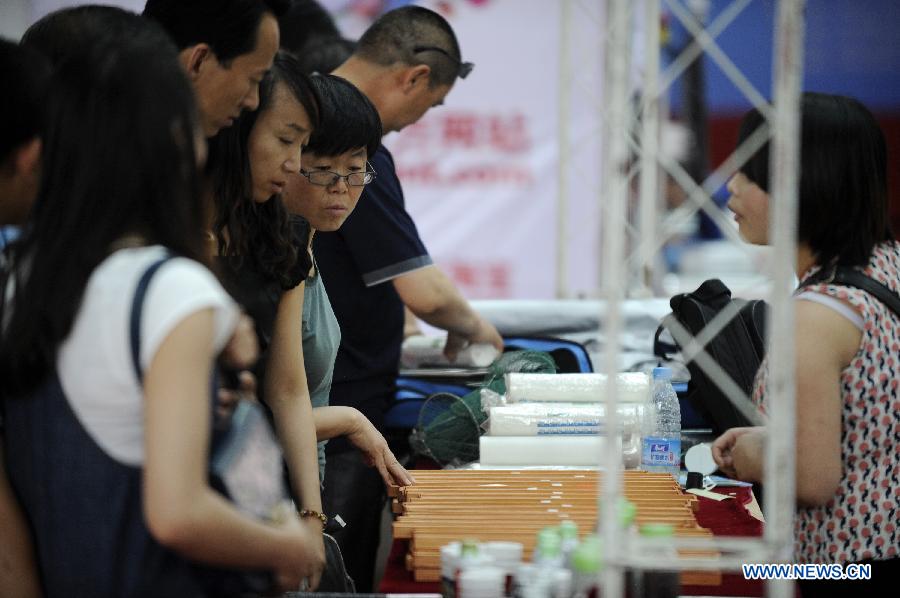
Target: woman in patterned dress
847 344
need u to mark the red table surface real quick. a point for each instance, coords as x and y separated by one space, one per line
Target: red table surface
722 518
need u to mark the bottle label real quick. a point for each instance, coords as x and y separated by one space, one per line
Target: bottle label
661 452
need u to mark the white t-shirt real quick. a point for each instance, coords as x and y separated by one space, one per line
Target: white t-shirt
94 364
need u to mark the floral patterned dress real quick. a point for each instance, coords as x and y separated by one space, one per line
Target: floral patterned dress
861 521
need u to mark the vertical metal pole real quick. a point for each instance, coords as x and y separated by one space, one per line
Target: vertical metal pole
613 200
649 187
784 166
562 193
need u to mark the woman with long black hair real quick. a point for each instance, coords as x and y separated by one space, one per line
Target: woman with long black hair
111 324
267 261
256 241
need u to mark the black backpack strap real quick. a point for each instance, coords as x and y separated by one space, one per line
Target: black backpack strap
137 307
851 277
662 348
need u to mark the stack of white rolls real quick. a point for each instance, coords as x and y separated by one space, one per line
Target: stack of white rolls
631 387
560 419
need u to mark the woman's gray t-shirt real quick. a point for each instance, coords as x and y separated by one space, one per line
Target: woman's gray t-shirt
321 338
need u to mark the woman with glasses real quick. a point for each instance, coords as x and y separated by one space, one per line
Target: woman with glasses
324 192
269 266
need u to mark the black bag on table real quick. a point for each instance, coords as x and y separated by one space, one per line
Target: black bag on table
740 345
738 348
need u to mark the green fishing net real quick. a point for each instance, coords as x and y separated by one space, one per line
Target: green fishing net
449 425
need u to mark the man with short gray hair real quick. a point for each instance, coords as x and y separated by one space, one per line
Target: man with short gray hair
406 63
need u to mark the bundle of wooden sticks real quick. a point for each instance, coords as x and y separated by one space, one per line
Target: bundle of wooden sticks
486 505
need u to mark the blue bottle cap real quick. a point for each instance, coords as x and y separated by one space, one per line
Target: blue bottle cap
662 373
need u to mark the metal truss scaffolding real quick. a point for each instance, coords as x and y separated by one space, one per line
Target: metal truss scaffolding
631 129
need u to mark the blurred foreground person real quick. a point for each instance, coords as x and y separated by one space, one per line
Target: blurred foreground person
25 75
106 400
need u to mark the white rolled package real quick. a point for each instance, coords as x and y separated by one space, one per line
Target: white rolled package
423 351
554 419
632 387
521 451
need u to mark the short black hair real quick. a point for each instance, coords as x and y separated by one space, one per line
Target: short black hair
303 23
325 54
25 75
347 119
843 178
309 32
395 35
229 27
66 31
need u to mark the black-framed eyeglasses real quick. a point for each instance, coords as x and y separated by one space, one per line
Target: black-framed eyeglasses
326 178
464 67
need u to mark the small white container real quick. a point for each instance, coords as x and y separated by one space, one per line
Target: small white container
507 556
482 582
450 554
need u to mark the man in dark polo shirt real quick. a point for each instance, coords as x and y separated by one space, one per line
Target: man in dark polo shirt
376 264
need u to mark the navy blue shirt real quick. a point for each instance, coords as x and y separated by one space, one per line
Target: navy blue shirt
377 243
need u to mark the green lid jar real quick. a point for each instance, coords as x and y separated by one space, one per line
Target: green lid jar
587 559
549 543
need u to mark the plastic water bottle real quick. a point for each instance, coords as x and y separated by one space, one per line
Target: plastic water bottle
661 442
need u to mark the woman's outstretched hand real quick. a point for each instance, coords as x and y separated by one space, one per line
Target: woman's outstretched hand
375 449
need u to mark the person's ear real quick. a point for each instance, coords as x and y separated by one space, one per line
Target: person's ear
28 157
196 58
415 77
